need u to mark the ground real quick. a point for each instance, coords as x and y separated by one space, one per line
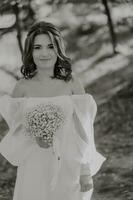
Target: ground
113 135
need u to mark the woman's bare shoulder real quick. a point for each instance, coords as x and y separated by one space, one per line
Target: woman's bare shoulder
76 85
19 88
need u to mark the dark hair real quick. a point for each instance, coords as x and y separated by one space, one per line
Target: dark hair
62 69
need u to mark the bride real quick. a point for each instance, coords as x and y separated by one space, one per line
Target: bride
49 90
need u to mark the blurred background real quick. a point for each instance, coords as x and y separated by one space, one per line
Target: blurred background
98 36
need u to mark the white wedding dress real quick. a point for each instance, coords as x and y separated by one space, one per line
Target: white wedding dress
51 173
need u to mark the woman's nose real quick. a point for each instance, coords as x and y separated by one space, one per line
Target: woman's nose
45 52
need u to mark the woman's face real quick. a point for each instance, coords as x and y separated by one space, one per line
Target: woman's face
44 55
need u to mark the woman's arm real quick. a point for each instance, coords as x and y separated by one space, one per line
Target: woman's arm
86 181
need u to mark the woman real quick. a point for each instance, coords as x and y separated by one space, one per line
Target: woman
51 172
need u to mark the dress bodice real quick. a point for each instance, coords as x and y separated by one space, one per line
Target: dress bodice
43 117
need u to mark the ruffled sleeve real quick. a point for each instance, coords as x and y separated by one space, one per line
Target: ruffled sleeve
15 146
85 109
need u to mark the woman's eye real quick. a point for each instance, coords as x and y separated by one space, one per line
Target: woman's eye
51 46
37 47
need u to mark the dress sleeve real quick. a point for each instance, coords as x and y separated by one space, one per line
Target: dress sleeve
86 109
15 146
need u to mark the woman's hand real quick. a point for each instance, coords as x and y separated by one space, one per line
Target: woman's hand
41 142
86 183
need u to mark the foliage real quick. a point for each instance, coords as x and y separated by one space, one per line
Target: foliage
24 16
70 1
24 9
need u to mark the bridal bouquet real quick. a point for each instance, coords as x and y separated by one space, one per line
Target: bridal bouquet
44 120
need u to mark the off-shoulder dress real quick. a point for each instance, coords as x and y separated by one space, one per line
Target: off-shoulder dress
50 173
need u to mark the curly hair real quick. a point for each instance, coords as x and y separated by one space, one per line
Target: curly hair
62 69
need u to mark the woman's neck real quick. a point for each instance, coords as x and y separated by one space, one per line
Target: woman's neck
43 75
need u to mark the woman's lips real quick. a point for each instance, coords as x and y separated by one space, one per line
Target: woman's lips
44 59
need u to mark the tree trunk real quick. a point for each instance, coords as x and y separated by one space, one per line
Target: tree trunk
18 28
110 24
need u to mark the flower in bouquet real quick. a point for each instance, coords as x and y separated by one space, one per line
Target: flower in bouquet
43 121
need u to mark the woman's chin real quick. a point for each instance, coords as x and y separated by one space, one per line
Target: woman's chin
45 67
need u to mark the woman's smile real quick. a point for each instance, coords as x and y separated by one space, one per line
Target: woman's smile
43 59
